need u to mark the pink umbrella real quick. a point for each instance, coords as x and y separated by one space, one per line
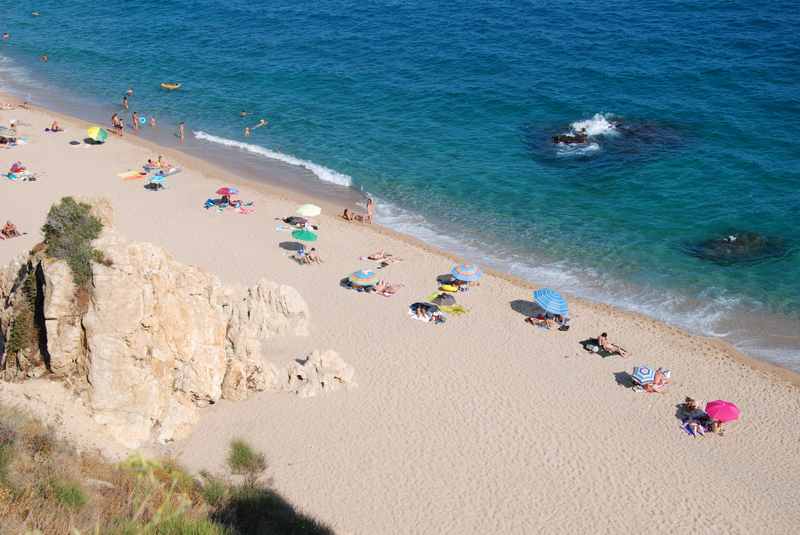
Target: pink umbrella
722 411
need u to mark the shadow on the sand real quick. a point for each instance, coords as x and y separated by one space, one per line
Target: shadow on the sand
263 511
624 379
526 308
291 246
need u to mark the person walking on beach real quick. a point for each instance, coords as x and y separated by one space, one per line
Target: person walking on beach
125 101
370 210
181 131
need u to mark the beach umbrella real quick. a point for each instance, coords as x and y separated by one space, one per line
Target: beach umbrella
551 301
228 190
363 277
97 134
722 411
304 235
643 375
466 272
309 210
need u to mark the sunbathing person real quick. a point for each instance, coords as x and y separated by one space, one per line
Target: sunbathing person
347 215
9 230
547 321
659 383
387 290
17 167
55 127
604 343
313 257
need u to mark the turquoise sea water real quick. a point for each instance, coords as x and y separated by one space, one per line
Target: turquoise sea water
444 111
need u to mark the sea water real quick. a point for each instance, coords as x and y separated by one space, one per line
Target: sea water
444 112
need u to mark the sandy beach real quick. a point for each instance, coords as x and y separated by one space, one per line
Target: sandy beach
484 424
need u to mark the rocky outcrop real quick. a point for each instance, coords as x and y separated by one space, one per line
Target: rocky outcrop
153 340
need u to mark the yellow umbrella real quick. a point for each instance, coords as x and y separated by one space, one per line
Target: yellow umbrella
97 134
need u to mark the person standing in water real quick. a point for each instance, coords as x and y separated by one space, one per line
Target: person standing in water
246 131
125 101
181 131
153 122
135 120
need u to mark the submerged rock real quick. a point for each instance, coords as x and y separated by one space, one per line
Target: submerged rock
739 247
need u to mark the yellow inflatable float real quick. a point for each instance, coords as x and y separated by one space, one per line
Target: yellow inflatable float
170 86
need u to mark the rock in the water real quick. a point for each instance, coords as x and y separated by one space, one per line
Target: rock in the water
739 248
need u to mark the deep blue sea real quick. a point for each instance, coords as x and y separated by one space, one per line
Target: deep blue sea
444 111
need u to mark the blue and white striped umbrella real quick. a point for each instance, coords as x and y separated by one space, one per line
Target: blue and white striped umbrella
643 375
551 301
466 272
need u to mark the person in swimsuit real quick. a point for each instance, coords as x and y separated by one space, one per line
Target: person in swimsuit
604 343
125 101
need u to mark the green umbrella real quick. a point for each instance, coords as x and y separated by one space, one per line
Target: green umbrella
304 235
97 134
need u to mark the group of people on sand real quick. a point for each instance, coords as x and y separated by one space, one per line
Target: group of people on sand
137 121
549 321
696 421
349 215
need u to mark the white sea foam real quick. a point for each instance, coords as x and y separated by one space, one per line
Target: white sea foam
575 149
598 125
14 78
708 314
321 172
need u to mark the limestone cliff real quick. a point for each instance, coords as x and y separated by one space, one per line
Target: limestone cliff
151 340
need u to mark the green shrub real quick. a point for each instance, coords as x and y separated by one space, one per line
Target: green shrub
68 234
23 333
214 490
6 453
68 494
244 461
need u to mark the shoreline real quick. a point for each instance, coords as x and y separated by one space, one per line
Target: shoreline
299 196
481 425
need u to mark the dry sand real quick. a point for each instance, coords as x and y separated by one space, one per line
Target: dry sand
481 425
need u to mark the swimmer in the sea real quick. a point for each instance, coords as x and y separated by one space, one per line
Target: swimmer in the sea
129 92
244 113
6 36
261 122
44 58
246 131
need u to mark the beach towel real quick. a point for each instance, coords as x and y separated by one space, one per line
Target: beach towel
132 175
453 309
591 343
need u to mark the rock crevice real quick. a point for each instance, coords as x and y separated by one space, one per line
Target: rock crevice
154 339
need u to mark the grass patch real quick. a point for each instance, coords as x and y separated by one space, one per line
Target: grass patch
246 462
46 487
69 494
68 233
